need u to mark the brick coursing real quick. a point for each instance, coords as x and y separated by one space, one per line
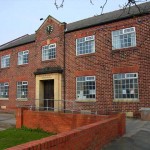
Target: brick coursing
16 73
102 64
105 62
75 131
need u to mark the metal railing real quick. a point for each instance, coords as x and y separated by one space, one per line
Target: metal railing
67 106
73 106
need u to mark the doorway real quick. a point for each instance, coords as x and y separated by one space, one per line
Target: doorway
49 94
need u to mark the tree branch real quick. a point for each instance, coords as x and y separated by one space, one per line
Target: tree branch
102 7
59 6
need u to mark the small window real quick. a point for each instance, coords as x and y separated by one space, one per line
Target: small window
123 38
5 61
86 88
49 52
4 90
23 57
22 89
126 86
85 45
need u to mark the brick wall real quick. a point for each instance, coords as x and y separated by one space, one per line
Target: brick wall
16 73
54 122
102 64
105 61
93 132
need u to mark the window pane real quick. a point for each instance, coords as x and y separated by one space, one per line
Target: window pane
126 86
23 57
49 52
4 90
85 45
124 38
5 61
22 89
86 87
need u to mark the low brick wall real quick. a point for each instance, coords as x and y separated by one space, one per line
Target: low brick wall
53 121
76 131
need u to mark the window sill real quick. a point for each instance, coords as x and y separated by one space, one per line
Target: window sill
45 61
126 100
124 49
1 99
85 55
22 65
22 99
86 100
5 68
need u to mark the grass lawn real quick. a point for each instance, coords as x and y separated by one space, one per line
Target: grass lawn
12 136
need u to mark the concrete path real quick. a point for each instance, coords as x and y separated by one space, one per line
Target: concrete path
7 120
137 137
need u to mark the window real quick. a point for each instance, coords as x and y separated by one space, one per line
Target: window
126 86
23 57
22 89
86 88
4 87
124 38
49 52
5 61
85 45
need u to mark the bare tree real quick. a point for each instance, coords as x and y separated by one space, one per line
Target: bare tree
129 3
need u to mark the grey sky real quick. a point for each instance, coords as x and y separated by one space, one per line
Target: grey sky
20 17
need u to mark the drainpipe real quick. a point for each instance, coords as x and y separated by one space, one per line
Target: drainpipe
64 68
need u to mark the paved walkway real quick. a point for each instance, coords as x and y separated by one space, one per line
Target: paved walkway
7 120
137 137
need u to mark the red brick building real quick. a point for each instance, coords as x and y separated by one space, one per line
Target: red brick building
99 64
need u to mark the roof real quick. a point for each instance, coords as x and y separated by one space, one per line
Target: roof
19 41
89 22
110 17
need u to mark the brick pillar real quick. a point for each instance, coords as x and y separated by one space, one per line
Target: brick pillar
122 124
19 117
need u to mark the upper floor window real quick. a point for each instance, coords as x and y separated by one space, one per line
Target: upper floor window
4 87
5 61
23 57
86 87
85 45
126 86
49 52
22 89
123 38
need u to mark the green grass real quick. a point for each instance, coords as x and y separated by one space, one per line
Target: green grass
12 136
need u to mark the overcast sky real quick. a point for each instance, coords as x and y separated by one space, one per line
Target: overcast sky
20 17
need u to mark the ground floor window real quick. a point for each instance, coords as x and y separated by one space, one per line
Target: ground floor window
85 87
4 87
126 86
22 89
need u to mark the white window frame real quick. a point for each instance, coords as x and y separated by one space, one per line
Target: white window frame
18 86
125 76
4 92
123 32
88 38
21 55
86 80
51 47
3 61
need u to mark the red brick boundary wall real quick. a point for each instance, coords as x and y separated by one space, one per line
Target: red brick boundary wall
78 132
